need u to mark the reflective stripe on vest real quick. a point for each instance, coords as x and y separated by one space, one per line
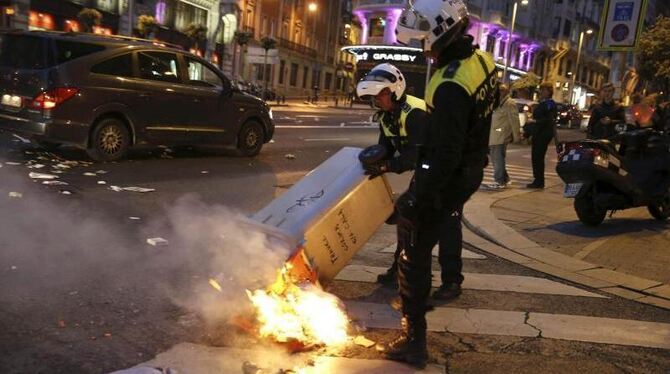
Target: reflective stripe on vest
410 104
470 74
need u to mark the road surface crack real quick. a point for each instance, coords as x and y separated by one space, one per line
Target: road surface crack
525 321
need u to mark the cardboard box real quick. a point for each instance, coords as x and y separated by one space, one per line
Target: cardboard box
331 213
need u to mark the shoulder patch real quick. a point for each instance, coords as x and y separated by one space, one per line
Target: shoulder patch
405 107
451 69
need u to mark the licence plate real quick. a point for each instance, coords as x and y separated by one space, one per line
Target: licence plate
572 189
11 100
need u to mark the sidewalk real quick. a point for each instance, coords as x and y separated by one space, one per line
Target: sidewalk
524 226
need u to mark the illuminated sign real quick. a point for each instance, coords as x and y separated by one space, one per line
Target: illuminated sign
385 56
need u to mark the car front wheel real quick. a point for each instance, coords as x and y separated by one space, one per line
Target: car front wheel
109 141
250 139
661 209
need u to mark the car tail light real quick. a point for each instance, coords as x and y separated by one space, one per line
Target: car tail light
54 97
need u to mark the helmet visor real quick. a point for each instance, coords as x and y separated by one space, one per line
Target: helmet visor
380 76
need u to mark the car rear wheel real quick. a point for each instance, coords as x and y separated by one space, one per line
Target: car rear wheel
110 140
250 139
661 209
587 212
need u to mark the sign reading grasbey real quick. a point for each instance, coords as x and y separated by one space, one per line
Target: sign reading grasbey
621 24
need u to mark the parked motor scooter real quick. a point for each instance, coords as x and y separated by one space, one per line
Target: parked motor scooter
631 169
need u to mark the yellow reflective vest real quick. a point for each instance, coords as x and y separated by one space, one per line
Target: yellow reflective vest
406 107
475 74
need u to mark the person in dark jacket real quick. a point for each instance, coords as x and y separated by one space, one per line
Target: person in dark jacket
605 115
401 118
460 99
544 129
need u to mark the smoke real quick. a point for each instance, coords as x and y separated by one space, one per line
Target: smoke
224 245
54 245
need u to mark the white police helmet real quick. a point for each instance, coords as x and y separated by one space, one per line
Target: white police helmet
430 20
380 77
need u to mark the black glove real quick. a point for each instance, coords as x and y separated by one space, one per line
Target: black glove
376 169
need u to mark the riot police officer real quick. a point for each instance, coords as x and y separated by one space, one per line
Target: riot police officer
400 118
460 98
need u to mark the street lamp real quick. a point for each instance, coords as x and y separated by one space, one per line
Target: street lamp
312 9
579 55
508 47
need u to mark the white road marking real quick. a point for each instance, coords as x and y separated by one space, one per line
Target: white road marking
196 358
464 254
322 127
514 323
326 139
479 281
590 248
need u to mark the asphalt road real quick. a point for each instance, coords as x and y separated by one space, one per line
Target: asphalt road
82 291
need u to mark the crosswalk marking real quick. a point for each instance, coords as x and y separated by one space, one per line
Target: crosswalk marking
520 174
524 324
196 358
465 253
478 281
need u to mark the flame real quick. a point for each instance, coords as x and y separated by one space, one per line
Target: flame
304 312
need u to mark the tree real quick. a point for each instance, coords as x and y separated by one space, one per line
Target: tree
654 63
146 25
88 18
197 33
267 43
242 38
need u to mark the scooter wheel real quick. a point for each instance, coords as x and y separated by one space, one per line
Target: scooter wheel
587 212
660 210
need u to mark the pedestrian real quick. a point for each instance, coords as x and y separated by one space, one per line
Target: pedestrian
400 117
605 114
460 98
543 125
505 129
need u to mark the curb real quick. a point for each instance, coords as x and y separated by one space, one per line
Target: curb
491 235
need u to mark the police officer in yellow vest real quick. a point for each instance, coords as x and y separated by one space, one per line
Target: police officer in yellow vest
460 99
401 118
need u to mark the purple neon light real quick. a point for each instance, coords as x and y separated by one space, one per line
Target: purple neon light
393 16
160 11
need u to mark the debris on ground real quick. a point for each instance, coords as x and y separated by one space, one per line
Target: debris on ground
41 176
108 335
61 324
89 174
156 242
65 192
12 163
290 156
134 218
271 141
204 172
363 341
146 370
102 182
131 189
14 267
17 195
36 166
54 183
101 171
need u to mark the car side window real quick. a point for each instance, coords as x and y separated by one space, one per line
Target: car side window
119 66
159 66
200 74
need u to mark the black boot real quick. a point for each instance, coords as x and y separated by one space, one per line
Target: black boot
410 345
390 278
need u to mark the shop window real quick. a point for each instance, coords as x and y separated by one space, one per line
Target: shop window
567 28
377 26
187 14
557 27
329 78
282 67
120 66
305 71
293 79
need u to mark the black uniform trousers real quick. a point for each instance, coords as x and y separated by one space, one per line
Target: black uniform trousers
418 237
539 145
